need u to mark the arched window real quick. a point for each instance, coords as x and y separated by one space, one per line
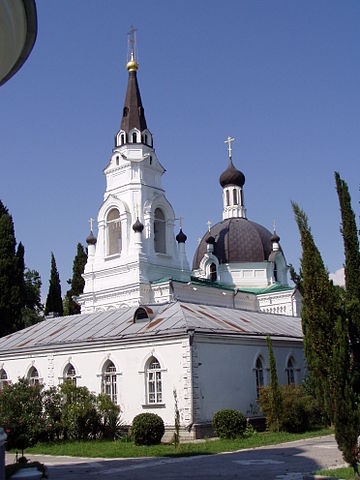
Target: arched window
122 139
145 139
290 371
259 373
213 273
113 225
235 197
33 376
241 198
3 378
134 137
153 380
109 385
159 231
69 374
227 198
275 272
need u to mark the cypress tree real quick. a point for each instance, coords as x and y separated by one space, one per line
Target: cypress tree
318 314
54 301
347 346
275 394
77 282
352 275
11 275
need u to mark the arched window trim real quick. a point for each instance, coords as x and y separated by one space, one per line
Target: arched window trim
235 196
4 379
159 231
69 374
259 374
154 381
213 272
113 225
143 313
290 370
33 376
109 380
227 196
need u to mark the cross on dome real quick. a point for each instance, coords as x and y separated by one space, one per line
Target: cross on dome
229 142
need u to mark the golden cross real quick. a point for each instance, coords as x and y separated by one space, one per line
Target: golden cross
91 224
137 210
229 141
180 220
209 225
274 224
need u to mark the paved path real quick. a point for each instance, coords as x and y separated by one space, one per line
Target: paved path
288 461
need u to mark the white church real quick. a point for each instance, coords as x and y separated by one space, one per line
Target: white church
150 324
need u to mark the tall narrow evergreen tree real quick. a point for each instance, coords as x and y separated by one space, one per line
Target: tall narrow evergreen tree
11 275
77 282
54 301
347 346
318 314
275 394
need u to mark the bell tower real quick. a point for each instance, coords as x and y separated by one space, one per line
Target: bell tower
135 243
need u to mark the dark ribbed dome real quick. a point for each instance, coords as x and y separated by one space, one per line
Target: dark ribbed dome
91 239
232 176
236 240
181 237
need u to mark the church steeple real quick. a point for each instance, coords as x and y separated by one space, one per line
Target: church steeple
133 111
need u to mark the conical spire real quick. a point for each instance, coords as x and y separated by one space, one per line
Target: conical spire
133 111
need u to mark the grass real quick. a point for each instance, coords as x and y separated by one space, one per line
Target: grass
126 449
346 473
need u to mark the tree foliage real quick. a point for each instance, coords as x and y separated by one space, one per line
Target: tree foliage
77 282
331 325
319 312
11 275
54 301
276 401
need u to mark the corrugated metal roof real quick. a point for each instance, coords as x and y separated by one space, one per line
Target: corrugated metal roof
168 319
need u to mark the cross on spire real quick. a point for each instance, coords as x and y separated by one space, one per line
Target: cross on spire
209 225
181 221
132 43
91 221
274 225
229 142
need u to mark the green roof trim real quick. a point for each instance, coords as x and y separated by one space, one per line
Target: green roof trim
194 281
273 288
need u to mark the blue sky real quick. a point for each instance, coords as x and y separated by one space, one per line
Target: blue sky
281 77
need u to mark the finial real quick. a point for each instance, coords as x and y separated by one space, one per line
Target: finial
180 221
132 65
209 225
274 225
91 221
229 141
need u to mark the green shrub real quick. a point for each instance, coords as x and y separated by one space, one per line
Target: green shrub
300 410
21 413
229 423
111 426
147 429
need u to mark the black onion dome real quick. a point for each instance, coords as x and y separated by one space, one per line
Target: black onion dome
181 237
210 239
138 226
237 240
275 237
232 176
91 239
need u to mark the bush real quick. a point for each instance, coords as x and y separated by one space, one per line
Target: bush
147 429
229 423
111 426
21 413
300 410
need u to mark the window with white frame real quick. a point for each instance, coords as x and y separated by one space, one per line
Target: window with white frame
290 370
159 231
259 374
153 381
3 378
33 376
113 226
109 381
70 374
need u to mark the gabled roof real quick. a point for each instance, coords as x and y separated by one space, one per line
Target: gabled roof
168 320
